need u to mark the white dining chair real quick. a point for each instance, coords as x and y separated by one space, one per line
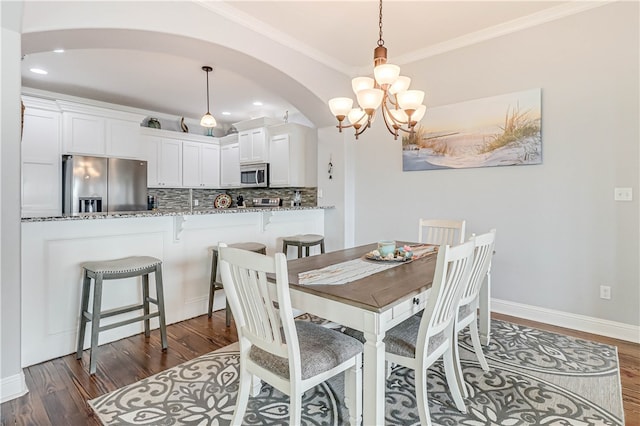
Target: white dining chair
420 341
467 313
441 232
292 356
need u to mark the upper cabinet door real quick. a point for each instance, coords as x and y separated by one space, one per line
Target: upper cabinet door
230 166
191 164
254 146
170 163
83 134
123 139
210 166
41 194
152 146
279 165
245 146
260 152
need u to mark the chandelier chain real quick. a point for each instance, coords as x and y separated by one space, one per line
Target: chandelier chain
380 40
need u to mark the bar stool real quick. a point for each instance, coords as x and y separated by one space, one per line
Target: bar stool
111 270
215 285
300 241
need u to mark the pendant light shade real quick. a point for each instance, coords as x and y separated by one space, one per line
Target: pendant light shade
207 119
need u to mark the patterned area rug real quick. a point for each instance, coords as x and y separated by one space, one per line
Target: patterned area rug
536 378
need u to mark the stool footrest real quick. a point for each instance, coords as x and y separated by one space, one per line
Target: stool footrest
129 321
117 311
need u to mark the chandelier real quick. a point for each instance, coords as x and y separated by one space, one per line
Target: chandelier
401 108
207 120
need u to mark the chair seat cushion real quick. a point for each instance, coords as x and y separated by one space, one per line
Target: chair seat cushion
321 349
120 266
305 239
401 340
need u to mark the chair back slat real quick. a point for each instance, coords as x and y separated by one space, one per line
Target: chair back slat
453 268
483 253
441 232
257 305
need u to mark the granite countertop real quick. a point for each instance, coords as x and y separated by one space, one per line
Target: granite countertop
157 213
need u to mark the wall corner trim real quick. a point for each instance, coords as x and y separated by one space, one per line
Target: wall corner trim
616 330
12 387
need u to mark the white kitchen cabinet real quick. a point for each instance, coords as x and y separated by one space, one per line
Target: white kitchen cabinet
292 156
230 163
41 159
91 130
200 165
164 162
123 139
254 146
84 134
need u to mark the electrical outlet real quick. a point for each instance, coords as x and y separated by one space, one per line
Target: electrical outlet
196 203
605 292
623 194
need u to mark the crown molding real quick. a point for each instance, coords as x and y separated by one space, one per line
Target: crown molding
548 15
253 24
500 30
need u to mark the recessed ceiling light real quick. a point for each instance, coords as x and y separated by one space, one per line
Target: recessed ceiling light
38 71
257 103
58 50
226 113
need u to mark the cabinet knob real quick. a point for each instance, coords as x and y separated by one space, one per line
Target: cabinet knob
416 301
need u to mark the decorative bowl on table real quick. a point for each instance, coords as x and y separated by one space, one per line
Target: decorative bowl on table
386 247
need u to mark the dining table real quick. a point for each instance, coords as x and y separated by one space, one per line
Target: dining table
340 287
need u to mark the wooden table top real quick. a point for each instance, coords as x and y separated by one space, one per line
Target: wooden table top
377 292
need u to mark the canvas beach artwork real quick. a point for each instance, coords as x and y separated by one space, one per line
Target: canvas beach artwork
502 130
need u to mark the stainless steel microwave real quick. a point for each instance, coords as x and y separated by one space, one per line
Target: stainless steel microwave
254 175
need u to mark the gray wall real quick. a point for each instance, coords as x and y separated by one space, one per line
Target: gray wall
10 363
560 233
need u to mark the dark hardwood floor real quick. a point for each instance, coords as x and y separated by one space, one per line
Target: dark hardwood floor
59 389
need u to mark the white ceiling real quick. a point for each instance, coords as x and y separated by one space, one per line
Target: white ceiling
341 35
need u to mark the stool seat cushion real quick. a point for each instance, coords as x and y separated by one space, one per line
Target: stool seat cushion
303 239
119 266
249 246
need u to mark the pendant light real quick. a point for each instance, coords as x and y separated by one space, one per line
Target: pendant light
207 120
401 108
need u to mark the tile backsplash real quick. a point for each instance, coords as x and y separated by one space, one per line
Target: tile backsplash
178 198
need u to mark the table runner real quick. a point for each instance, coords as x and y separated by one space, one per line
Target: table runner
353 270
345 272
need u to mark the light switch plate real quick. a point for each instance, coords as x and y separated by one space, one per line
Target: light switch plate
623 194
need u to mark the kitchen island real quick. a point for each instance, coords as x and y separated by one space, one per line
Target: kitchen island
54 247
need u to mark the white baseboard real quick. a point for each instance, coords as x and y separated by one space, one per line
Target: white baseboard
12 387
617 330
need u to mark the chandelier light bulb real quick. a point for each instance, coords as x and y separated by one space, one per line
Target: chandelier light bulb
419 114
357 117
386 74
340 107
362 83
410 99
400 85
397 116
370 98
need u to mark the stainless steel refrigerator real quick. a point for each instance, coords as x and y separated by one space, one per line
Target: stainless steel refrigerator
99 184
